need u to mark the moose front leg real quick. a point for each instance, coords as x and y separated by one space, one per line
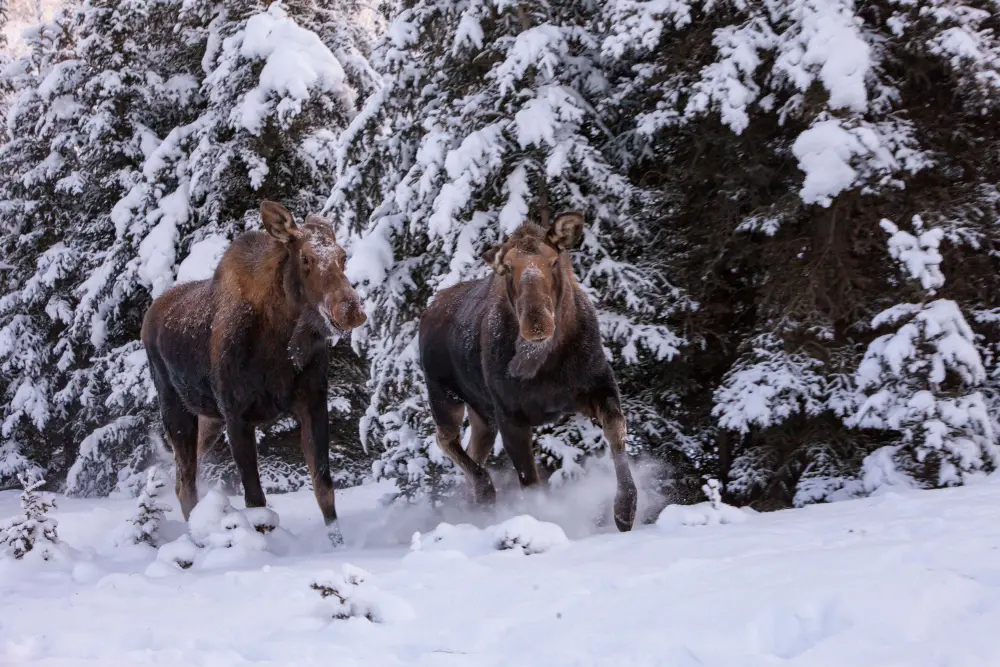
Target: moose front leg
314 419
607 409
243 444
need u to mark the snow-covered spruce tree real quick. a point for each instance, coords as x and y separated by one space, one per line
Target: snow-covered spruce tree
99 108
921 380
130 94
776 135
144 526
486 118
269 108
4 18
38 162
32 530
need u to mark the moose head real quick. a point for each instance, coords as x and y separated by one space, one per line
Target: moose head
535 263
316 265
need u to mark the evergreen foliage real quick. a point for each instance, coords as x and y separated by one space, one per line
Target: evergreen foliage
33 530
739 165
144 526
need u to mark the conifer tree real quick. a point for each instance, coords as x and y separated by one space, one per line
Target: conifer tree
33 530
39 165
484 120
262 124
144 526
921 380
772 138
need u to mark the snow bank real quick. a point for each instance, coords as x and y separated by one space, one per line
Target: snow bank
222 536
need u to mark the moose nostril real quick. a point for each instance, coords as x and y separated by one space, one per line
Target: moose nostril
350 315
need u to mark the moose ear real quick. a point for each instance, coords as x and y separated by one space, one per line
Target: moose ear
278 221
494 257
566 232
315 218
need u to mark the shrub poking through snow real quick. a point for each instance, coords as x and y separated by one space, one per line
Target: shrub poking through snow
352 594
144 526
713 491
34 530
182 552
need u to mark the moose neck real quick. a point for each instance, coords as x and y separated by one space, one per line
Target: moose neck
529 358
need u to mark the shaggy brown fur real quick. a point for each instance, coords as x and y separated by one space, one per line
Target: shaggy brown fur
520 349
250 344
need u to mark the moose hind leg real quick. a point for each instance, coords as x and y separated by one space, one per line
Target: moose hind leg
243 445
209 432
182 431
448 419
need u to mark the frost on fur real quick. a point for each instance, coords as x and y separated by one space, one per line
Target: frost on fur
33 531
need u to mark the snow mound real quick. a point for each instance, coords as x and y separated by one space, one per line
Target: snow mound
702 514
523 533
528 534
350 593
222 536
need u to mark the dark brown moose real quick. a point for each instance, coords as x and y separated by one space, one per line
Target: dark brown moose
250 344
520 349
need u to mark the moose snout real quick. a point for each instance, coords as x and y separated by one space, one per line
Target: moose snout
537 325
348 314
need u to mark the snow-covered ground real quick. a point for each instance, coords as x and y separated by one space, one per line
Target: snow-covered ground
899 580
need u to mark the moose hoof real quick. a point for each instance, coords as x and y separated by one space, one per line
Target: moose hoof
625 505
334 535
486 493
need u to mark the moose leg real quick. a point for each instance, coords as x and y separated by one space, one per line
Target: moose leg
243 445
448 419
314 421
607 407
484 434
209 432
182 431
517 443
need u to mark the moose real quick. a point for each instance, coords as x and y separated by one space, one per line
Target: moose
250 344
520 349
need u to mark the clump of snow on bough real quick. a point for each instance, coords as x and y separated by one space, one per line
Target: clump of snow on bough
221 535
350 593
709 513
524 534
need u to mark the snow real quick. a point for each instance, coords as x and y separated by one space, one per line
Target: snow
904 578
202 259
296 64
824 152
